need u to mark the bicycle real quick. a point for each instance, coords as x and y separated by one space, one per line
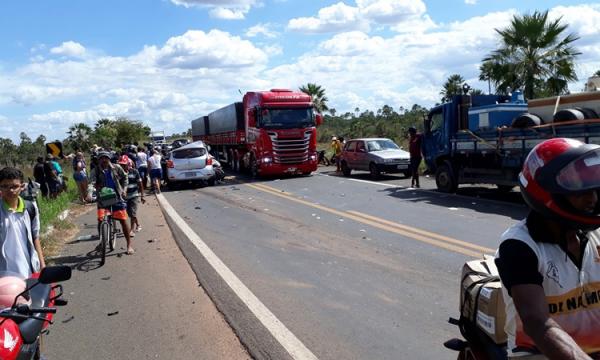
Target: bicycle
107 230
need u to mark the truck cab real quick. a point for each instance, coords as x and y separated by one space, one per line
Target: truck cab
281 132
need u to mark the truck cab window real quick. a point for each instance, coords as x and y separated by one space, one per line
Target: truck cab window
287 118
437 121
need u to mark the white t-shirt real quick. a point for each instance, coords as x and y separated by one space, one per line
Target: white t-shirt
142 160
154 161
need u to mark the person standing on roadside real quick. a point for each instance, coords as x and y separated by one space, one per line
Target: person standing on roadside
155 169
336 147
414 148
52 182
135 191
40 176
80 176
114 177
20 247
142 165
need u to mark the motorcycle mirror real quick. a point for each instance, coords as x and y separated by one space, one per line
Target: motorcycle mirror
52 274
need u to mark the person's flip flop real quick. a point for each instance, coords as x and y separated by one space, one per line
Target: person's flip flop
130 252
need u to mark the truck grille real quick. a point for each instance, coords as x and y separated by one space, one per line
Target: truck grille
290 150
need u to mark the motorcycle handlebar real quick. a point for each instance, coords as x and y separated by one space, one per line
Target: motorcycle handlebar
26 310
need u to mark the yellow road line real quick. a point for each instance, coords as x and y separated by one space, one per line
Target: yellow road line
425 233
458 248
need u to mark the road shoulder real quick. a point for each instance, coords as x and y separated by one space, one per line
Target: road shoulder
148 305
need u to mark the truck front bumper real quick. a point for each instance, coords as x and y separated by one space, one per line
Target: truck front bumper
268 169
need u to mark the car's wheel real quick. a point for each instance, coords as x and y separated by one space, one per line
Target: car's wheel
171 185
345 169
407 174
445 180
375 173
211 182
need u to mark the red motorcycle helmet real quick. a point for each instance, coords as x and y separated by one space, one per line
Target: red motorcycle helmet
556 168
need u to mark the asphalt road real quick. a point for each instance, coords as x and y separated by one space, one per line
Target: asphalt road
354 269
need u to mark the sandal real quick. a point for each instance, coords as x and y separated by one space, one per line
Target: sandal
130 251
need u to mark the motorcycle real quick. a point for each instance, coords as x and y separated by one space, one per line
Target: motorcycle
32 310
322 158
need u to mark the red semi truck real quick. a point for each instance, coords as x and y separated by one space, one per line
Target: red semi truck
268 133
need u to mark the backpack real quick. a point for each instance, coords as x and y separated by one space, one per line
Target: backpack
31 191
31 210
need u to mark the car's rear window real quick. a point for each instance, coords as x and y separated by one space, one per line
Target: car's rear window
189 153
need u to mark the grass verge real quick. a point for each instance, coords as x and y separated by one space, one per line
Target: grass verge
62 229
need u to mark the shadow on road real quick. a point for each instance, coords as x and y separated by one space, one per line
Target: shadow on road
510 205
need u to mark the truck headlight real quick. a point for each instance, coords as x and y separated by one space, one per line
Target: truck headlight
267 160
313 158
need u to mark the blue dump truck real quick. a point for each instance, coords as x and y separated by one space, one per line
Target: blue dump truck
484 139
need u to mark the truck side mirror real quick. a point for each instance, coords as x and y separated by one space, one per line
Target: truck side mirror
319 119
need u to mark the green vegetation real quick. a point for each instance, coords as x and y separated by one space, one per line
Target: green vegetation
385 122
106 133
51 208
534 55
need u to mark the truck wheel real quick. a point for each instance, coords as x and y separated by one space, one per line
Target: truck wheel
375 173
345 169
445 179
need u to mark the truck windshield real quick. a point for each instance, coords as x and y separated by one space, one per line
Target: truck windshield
378 145
287 118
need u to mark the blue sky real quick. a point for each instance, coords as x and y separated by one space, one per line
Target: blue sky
165 62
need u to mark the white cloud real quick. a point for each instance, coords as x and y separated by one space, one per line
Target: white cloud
391 11
215 49
69 48
221 9
471 2
402 15
261 29
334 18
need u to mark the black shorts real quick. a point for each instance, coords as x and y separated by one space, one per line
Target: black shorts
132 206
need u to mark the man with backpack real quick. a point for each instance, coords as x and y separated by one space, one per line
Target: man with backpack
549 263
20 247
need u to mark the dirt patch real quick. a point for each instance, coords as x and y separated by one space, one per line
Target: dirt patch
63 231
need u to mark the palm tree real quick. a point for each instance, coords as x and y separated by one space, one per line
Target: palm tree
317 94
535 55
452 86
79 135
597 73
485 74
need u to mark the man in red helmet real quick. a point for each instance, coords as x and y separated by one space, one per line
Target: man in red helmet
549 263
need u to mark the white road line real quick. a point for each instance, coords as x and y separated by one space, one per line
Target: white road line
280 332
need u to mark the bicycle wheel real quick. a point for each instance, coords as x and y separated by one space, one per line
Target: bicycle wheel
104 234
113 235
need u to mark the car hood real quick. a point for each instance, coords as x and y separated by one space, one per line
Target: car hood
391 154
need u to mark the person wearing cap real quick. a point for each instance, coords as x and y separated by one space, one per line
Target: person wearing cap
336 146
135 191
113 176
414 149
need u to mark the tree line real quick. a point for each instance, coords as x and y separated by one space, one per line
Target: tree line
105 133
